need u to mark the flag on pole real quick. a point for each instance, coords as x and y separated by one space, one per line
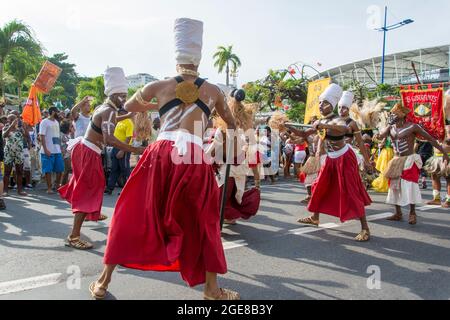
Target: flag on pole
32 113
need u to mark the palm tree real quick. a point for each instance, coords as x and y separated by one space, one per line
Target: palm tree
14 35
21 66
224 57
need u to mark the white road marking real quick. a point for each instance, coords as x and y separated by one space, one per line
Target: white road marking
29 284
380 216
234 244
426 208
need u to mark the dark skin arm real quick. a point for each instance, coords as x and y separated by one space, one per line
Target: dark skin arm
130 115
359 140
148 94
108 119
383 134
418 130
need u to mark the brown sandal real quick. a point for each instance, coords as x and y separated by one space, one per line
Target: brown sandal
309 221
78 244
364 236
97 296
306 200
225 295
102 217
396 217
413 219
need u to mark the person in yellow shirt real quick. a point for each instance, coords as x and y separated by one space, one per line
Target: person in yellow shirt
121 160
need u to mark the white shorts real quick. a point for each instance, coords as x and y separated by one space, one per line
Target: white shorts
300 157
26 160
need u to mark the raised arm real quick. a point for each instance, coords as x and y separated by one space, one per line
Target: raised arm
141 101
76 109
418 130
301 134
383 134
335 127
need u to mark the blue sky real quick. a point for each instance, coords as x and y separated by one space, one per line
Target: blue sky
137 34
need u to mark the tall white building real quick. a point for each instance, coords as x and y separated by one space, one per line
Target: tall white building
140 80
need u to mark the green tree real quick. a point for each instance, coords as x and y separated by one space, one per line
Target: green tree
297 112
276 86
92 87
68 78
22 67
15 35
223 58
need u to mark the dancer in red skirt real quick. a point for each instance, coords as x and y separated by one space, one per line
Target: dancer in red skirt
338 191
241 203
85 189
167 217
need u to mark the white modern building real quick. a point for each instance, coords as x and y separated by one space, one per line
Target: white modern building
431 65
140 80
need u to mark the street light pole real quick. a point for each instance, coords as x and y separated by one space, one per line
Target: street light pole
385 30
384 44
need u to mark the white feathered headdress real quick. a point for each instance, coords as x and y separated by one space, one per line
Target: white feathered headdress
370 116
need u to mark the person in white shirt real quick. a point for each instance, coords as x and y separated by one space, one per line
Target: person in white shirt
81 115
51 156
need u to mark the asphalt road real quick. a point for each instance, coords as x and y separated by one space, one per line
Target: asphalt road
270 257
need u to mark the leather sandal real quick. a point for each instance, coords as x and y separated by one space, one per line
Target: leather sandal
77 243
413 219
309 221
396 217
225 295
97 296
363 236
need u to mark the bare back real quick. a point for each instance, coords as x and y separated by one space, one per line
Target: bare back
190 118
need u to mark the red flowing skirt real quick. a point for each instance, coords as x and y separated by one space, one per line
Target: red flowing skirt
168 218
85 189
339 191
249 206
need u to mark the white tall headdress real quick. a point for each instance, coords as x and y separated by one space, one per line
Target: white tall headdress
332 94
188 41
347 99
115 81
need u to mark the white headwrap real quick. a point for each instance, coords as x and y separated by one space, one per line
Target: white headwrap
188 41
332 94
347 99
115 81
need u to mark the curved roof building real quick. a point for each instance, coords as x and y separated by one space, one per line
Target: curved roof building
432 66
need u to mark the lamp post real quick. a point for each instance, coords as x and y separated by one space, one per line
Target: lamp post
385 30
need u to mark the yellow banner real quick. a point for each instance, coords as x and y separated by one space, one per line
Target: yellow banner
315 89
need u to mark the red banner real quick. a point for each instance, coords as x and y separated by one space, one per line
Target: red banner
46 79
427 110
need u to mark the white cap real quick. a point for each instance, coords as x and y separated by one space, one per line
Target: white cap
188 41
347 99
115 81
332 94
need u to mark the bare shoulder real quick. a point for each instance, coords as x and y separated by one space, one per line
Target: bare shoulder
103 111
159 85
213 90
